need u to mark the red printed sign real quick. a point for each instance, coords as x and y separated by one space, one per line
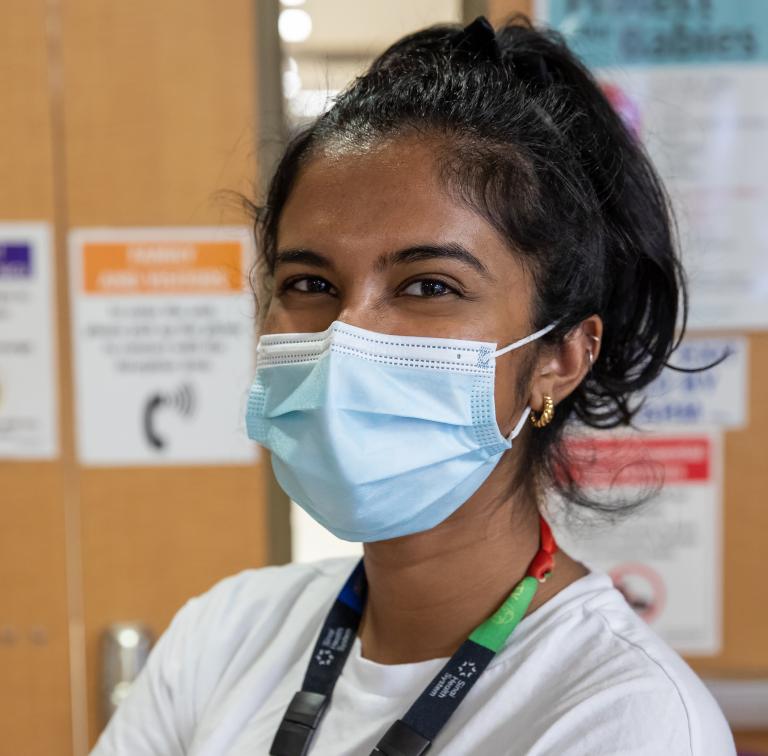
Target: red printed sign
640 460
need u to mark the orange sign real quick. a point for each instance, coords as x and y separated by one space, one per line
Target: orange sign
163 267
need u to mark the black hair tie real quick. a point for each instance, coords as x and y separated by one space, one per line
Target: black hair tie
479 37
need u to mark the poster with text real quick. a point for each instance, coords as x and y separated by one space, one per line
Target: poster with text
665 556
685 395
690 80
28 376
163 341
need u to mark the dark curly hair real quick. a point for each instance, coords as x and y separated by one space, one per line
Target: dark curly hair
529 141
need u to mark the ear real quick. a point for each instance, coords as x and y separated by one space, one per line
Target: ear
562 367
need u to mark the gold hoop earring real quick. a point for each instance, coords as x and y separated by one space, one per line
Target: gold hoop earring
546 414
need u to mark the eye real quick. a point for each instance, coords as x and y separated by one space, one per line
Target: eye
308 285
428 287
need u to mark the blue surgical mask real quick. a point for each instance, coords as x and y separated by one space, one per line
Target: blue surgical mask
378 436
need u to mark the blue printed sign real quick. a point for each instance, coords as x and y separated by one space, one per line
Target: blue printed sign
714 397
15 260
28 382
662 32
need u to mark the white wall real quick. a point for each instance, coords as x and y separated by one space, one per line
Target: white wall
311 541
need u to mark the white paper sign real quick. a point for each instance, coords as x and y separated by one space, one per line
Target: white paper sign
706 129
666 557
28 381
714 397
689 79
163 338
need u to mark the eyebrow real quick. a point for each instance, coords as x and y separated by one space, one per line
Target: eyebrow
450 251
302 256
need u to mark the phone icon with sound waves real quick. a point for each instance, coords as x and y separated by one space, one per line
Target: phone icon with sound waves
181 401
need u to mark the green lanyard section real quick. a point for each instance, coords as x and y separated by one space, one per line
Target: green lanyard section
493 633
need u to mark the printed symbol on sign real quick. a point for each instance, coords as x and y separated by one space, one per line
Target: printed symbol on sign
642 587
467 669
183 401
324 657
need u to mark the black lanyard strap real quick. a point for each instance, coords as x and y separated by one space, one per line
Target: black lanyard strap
300 721
414 733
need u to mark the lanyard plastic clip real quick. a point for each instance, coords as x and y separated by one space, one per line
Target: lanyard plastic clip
401 740
300 721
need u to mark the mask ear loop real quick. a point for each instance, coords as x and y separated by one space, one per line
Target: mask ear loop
516 345
516 430
527 340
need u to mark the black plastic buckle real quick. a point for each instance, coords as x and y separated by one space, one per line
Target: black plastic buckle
401 740
300 721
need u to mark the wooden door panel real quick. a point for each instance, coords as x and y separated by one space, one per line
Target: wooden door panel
159 116
34 635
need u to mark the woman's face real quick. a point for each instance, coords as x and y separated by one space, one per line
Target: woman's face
374 240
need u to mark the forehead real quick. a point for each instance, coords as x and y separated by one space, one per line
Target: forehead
378 199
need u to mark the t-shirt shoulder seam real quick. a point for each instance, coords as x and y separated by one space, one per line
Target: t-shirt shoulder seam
622 639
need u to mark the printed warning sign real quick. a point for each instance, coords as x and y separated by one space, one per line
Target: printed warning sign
28 381
666 556
163 336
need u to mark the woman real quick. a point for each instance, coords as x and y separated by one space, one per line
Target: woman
468 239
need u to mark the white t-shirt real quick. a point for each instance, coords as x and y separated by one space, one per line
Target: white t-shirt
580 675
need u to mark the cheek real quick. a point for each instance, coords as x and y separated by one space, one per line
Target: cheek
307 314
509 405
267 316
